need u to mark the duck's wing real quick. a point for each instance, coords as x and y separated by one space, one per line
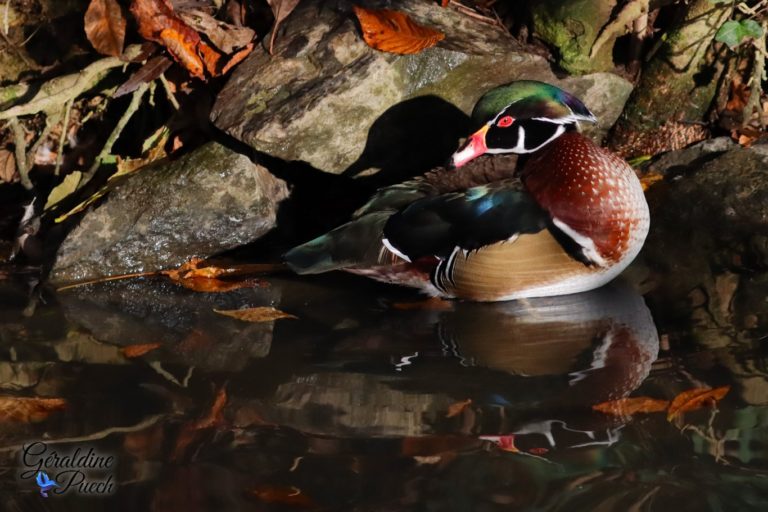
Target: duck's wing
468 221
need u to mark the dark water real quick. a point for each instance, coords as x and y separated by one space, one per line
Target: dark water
372 401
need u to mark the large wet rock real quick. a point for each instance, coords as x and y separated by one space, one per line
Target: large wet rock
208 201
708 244
328 99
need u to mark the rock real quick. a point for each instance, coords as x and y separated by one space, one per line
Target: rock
709 227
208 201
328 99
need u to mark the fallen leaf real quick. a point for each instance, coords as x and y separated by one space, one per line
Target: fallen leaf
458 408
151 70
281 9
431 304
64 189
224 36
105 26
29 410
8 172
258 314
649 179
236 58
695 399
132 351
394 32
282 495
506 443
630 406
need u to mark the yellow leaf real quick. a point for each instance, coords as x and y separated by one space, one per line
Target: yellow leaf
259 314
64 189
394 32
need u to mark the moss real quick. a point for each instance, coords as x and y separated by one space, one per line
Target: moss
571 28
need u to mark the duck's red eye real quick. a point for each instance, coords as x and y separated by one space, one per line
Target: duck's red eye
505 121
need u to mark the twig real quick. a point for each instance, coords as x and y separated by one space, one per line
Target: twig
107 279
168 91
107 149
63 138
757 78
54 93
19 140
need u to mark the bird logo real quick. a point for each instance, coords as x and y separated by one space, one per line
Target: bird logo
45 483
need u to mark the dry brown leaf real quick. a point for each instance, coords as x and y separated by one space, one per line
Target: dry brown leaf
29 410
259 314
224 36
630 406
281 9
695 399
105 26
151 70
649 179
458 408
431 304
193 276
8 171
236 58
132 351
394 32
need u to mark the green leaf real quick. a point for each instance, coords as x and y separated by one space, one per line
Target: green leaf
733 32
64 189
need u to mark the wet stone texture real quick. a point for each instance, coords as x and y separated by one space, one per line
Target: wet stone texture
708 240
206 202
328 99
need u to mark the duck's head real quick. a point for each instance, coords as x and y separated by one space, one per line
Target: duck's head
521 117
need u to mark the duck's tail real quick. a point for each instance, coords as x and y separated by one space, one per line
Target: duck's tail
355 244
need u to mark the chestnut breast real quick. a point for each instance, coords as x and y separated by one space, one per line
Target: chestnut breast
592 191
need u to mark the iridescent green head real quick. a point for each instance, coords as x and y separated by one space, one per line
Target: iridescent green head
521 117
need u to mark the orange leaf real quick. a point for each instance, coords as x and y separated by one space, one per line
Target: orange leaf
695 399
184 50
29 410
105 26
192 276
139 350
256 315
236 58
630 406
190 432
394 32
458 408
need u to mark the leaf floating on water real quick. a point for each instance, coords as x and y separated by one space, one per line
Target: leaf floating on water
458 408
190 431
258 314
630 406
133 351
105 26
695 399
29 410
394 32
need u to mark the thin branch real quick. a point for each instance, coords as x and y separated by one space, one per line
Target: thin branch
168 91
107 149
63 138
20 141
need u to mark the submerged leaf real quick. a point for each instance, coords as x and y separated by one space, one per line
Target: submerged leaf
132 351
394 32
630 406
29 410
105 26
695 399
259 314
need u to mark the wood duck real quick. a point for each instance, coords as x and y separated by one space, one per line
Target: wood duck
567 219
